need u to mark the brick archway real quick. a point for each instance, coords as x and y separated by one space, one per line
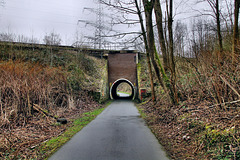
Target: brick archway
122 67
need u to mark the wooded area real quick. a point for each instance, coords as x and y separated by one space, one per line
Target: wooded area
192 65
171 40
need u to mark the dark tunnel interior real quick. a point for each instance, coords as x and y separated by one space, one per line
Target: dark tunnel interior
114 90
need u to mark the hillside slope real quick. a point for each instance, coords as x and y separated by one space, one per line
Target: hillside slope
39 86
205 123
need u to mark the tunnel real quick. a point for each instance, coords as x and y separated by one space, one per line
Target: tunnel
114 90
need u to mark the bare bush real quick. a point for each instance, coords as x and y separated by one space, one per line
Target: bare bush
208 78
52 39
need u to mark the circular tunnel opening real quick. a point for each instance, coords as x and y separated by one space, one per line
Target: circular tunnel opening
122 89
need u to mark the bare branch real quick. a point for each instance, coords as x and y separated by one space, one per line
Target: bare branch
119 7
123 34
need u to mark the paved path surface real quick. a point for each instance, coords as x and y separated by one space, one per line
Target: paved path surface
116 134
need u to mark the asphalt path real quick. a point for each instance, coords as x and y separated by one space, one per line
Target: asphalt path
118 133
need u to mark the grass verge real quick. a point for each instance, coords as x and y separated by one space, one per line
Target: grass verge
141 112
51 146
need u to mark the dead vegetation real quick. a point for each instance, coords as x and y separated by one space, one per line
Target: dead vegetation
25 84
24 141
34 93
205 123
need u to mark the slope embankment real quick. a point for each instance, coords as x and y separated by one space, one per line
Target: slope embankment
39 87
205 122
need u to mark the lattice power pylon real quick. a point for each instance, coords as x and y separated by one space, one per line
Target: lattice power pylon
99 29
99 26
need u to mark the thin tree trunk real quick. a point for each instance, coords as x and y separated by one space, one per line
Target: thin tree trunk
219 29
158 15
171 51
235 30
170 34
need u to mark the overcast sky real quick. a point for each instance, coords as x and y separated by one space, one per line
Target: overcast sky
36 18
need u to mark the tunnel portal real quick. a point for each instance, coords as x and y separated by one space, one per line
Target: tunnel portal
114 90
122 67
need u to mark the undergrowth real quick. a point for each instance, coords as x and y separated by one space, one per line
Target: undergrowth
39 85
205 123
23 84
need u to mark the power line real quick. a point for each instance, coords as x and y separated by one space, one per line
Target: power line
101 29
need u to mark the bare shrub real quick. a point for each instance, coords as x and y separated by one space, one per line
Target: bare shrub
209 78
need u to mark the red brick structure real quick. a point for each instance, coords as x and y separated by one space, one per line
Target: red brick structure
122 67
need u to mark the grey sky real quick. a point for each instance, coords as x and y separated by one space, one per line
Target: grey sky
36 18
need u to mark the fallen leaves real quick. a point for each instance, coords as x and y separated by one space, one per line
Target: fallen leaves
182 129
23 141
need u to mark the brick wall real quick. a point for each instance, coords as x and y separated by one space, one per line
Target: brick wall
122 65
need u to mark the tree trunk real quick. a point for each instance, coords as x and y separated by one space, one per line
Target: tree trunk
219 29
148 6
147 49
171 51
158 15
170 34
235 30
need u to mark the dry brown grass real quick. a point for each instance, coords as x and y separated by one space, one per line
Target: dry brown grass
56 81
24 84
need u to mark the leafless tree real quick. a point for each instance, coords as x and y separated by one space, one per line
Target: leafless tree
124 9
202 37
22 38
179 42
78 39
124 13
149 37
169 8
52 39
8 36
216 14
